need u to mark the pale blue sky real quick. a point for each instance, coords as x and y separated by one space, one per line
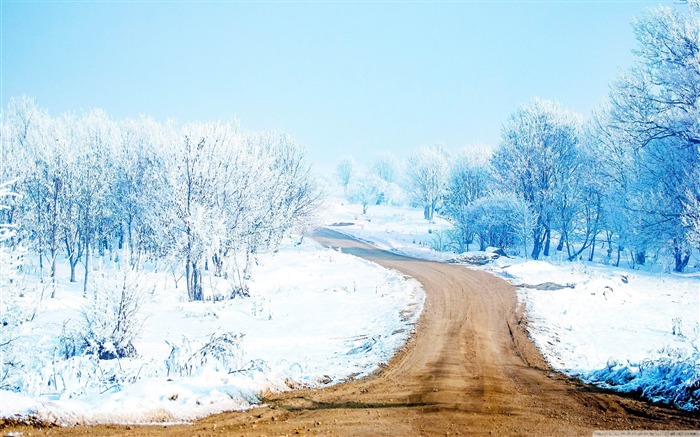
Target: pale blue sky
342 78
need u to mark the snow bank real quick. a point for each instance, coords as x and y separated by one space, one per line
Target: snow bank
619 329
315 317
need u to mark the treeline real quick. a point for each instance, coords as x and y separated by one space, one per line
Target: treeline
626 181
205 196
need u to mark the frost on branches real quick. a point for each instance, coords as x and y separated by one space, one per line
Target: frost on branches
206 196
12 314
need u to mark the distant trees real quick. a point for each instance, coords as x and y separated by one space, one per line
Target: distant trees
427 171
344 171
624 183
207 195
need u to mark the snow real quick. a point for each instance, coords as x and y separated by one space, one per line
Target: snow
315 317
398 229
620 329
627 330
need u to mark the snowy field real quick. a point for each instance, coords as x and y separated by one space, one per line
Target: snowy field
627 330
315 317
394 228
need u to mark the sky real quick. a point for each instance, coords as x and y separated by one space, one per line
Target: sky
343 78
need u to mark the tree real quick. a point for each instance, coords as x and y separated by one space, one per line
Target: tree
468 181
385 167
499 220
206 195
652 126
536 156
344 171
365 191
12 315
427 172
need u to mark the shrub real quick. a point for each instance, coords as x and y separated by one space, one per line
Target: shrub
112 320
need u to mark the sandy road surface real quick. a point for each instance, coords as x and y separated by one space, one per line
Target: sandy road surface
470 370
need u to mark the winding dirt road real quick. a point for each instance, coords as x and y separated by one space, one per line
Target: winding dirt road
470 370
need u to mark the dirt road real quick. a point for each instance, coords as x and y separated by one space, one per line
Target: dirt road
470 370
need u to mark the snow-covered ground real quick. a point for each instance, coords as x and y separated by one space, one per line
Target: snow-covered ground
628 330
395 228
625 330
315 317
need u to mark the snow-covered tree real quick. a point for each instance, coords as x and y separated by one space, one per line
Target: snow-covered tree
12 315
366 190
207 195
499 220
536 158
427 172
385 166
468 181
344 171
651 130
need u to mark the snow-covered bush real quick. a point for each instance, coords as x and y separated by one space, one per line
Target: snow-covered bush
112 319
499 221
223 352
672 377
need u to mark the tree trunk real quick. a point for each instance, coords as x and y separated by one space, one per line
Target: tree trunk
41 266
560 246
640 258
87 262
426 213
537 243
681 257
590 257
188 282
547 236
72 270
53 263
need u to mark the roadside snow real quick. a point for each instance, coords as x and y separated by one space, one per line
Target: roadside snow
401 230
624 330
315 317
617 328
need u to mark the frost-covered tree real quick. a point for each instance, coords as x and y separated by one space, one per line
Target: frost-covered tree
232 196
468 181
207 196
385 167
651 130
499 220
344 171
12 314
94 172
536 158
136 190
427 172
366 190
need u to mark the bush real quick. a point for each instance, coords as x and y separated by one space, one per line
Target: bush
500 220
222 353
672 377
111 320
